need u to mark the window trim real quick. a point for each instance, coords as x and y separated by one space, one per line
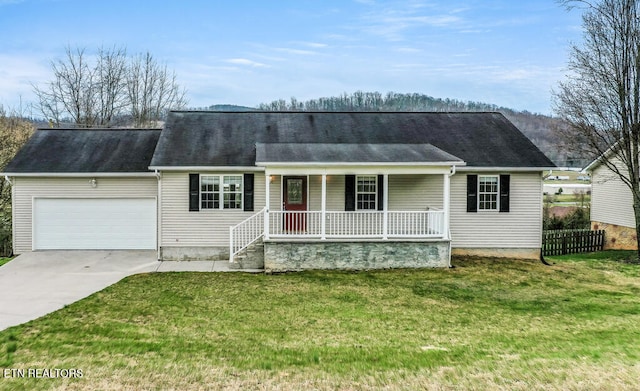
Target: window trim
221 192
497 194
374 192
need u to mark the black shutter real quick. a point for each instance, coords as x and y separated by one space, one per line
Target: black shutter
380 192
194 192
504 192
472 193
349 193
248 192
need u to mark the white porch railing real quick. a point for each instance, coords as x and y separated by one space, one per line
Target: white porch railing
360 224
245 233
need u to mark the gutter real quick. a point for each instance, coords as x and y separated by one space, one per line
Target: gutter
80 174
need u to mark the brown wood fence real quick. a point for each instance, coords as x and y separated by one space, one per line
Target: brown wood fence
571 241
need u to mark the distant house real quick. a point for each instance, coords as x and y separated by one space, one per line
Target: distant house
612 207
287 190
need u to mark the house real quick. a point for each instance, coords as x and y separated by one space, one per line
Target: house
612 205
288 190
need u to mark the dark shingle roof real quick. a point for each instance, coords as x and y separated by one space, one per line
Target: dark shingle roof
86 150
351 153
229 138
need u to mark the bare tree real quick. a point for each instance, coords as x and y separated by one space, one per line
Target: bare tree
87 94
601 98
95 90
110 72
152 90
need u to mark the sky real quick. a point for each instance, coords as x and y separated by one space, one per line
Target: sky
511 53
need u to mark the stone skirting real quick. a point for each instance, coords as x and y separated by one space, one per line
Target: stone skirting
303 255
617 237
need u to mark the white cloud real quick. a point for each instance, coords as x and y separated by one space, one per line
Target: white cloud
297 51
409 50
246 62
316 45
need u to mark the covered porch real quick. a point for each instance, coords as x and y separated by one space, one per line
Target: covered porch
322 199
381 217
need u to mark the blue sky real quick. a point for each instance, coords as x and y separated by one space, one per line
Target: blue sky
507 52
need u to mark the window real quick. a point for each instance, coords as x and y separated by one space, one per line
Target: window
366 190
230 191
209 192
488 192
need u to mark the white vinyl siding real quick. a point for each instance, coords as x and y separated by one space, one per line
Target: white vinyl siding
415 192
27 188
611 199
521 227
207 227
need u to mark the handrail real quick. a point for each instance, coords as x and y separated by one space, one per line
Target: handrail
357 224
245 233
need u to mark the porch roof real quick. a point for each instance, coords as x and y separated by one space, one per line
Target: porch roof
346 154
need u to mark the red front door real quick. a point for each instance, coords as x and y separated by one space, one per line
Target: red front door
295 200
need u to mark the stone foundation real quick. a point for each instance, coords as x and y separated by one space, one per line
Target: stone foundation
304 255
513 253
617 237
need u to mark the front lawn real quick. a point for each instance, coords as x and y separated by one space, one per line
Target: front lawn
4 260
485 325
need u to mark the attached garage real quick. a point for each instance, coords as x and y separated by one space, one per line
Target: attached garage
85 189
94 223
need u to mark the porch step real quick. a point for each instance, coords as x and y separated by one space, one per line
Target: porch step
251 257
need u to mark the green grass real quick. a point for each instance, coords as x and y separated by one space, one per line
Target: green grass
4 260
487 324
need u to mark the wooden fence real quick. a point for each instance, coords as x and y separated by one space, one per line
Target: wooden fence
571 241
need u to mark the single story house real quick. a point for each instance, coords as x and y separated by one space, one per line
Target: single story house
287 190
612 205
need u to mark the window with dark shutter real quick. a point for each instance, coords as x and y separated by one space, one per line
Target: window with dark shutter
504 192
472 193
194 192
248 192
349 193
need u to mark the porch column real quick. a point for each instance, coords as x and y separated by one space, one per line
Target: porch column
323 216
385 206
446 200
267 182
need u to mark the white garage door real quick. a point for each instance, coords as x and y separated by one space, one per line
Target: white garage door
94 223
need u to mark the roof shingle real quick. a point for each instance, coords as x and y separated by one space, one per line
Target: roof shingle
85 151
196 138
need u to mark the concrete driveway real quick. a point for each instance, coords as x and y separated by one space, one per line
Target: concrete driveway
35 284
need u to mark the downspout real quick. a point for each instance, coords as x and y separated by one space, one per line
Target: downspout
452 172
6 178
158 215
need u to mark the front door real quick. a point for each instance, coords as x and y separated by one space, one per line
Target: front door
295 200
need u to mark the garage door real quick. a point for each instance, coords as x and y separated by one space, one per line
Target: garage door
94 223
